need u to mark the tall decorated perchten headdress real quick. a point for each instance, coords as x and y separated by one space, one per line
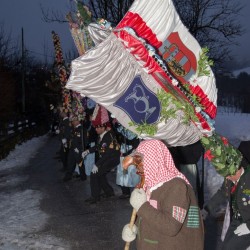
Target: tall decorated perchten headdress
100 117
152 75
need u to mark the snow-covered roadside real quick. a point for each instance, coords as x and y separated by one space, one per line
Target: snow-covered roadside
21 219
21 155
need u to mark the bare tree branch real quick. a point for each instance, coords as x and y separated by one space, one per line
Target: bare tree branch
213 23
8 50
50 16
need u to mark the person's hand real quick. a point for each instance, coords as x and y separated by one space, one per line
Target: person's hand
94 169
138 198
204 214
85 153
129 234
64 142
76 150
242 229
57 131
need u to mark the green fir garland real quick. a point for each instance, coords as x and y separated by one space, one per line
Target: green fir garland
224 157
204 63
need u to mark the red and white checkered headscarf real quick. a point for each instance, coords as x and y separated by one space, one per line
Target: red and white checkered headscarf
158 163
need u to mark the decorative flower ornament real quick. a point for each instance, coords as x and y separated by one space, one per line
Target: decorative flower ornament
208 155
175 82
225 141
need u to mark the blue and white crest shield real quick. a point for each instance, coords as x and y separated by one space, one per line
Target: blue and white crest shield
139 103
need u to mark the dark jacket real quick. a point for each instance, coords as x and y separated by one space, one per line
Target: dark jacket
160 228
91 133
65 129
78 139
107 151
239 199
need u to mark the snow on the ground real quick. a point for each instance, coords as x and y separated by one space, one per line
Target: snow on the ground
21 219
23 153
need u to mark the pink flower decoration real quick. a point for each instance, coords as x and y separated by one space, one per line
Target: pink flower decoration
225 141
208 155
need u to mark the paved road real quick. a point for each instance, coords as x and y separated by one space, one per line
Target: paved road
83 226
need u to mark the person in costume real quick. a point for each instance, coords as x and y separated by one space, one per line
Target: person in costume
235 189
107 156
168 216
54 119
89 160
65 135
126 179
78 139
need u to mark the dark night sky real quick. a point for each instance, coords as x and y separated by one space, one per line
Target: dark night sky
16 14
27 14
